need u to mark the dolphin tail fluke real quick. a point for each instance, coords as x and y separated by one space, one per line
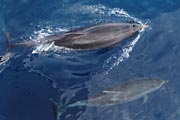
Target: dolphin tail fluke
7 54
57 109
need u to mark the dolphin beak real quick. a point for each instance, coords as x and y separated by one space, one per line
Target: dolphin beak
144 27
140 27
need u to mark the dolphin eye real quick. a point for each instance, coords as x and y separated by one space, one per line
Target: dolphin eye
133 25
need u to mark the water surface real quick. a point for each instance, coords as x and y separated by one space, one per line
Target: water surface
33 75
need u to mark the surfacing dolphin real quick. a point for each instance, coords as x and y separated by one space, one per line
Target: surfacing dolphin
123 93
93 37
88 38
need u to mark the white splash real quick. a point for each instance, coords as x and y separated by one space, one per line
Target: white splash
42 48
122 56
4 62
5 58
48 30
127 50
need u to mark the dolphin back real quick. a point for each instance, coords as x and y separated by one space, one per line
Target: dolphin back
98 36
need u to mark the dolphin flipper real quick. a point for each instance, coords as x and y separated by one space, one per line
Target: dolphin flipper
145 98
55 109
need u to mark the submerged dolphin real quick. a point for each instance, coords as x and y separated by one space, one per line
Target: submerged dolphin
125 92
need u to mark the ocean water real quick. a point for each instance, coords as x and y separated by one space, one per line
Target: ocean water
31 76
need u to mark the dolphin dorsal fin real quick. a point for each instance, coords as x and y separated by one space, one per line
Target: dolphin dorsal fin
72 35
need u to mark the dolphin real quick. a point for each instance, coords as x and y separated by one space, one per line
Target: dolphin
92 37
84 38
123 93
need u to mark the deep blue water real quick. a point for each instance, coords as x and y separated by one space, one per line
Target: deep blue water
28 80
